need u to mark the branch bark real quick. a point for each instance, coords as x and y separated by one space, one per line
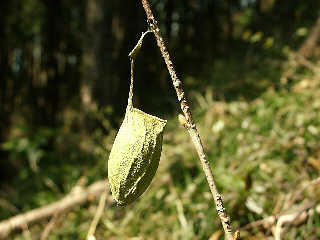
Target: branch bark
290 216
191 127
309 45
293 217
76 197
98 215
47 230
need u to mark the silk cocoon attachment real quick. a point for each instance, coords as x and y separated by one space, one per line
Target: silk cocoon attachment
135 155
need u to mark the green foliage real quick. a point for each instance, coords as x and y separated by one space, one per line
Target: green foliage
261 152
28 145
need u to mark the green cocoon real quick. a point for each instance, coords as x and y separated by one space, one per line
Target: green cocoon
135 155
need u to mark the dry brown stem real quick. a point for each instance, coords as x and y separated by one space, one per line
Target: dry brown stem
191 127
297 60
298 194
76 197
308 47
290 218
98 215
290 215
49 226
287 218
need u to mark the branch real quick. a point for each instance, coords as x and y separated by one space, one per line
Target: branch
308 47
76 197
97 216
290 218
285 218
298 194
49 226
191 127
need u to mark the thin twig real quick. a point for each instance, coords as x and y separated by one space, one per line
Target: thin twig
308 64
179 205
5 204
289 218
297 60
26 232
293 217
49 226
136 48
300 192
282 217
191 127
266 222
97 216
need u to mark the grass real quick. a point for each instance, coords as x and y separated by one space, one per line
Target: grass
262 152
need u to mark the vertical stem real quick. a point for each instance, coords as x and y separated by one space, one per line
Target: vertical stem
132 56
130 102
191 127
97 215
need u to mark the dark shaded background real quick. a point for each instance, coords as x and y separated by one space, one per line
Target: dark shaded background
51 50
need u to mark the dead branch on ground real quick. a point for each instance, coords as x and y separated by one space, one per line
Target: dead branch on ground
292 215
77 196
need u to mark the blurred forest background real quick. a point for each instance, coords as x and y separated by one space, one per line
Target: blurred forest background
250 69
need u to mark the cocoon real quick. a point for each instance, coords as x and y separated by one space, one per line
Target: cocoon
135 155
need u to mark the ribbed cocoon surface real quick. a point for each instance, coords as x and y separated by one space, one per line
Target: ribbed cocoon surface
135 155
